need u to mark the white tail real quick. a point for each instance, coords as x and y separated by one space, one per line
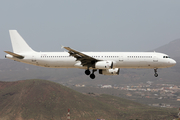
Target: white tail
18 43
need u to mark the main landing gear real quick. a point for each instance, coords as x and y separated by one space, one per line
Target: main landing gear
92 76
155 72
87 72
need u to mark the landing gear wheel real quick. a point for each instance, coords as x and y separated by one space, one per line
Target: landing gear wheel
87 72
156 75
92 76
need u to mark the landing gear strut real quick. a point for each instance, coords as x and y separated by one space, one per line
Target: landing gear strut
155 73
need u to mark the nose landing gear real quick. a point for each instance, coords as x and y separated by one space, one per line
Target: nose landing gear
155 72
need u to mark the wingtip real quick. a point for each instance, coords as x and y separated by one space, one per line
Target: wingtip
62 46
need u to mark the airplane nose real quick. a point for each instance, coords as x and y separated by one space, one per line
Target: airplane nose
173 62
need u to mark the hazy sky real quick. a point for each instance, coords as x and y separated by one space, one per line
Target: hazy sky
94 25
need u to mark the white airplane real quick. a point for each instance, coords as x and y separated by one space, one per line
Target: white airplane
108 63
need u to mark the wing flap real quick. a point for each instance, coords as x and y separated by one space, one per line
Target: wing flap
85 60
14 54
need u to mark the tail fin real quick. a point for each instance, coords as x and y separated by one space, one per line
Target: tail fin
18 43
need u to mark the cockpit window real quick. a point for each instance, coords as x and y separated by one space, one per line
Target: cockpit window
166 57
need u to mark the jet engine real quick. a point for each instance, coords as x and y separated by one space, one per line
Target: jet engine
114 71
104 65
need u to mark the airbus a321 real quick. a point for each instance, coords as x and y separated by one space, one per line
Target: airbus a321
107 63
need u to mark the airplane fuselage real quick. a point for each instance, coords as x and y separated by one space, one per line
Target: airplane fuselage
120 59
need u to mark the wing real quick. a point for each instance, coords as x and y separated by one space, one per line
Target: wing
14 54
83 58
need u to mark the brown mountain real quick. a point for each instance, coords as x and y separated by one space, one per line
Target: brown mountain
45 100
172 48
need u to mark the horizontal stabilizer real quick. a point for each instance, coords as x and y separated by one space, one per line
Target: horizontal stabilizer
14 54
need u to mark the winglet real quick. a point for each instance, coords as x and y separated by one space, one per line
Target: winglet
62 46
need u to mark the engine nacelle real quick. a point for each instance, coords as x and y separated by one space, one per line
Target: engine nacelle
114 71
104 65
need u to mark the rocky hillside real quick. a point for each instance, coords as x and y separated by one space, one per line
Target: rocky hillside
45 100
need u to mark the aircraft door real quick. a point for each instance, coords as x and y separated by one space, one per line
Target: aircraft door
155 59
33 58
121 59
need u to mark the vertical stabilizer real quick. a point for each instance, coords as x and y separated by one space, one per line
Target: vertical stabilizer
18 43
